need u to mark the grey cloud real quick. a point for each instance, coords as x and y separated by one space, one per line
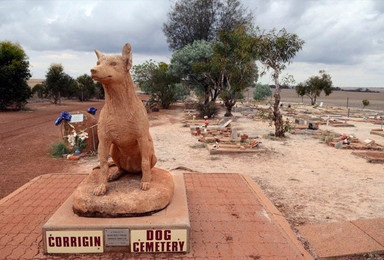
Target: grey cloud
335 32
342 32
66 25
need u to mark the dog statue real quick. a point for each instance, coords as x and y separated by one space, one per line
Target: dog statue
123 127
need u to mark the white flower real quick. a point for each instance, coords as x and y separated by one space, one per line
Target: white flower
83 136
71 140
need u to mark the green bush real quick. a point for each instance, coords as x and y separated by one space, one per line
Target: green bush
58 149
261 92
209 110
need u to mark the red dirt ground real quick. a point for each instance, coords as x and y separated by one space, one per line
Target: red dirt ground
25 140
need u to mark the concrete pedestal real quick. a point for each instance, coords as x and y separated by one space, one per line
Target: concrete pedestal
165 231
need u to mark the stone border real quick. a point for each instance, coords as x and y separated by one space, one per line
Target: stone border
277 217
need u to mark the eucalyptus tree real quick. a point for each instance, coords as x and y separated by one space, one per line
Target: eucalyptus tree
277 50
234 61
190 65
189 21
313 86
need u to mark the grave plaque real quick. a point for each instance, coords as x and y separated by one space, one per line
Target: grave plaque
117 237
77 118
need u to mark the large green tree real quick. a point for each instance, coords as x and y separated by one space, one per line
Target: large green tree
189 21
313 86
276 51
234 61
57 82
14 73
142 74
158 81
86 87
187 65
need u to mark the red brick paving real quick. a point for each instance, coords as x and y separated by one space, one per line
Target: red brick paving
345 238
230 219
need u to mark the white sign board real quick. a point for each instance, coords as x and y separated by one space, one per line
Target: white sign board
79 241
77 118
159 240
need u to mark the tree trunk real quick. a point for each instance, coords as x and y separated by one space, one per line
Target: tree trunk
228 106
277 117
313 100
206 98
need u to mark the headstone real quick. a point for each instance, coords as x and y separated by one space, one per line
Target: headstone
234 133
81 122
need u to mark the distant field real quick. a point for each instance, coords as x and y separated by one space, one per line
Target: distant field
337 98
34 82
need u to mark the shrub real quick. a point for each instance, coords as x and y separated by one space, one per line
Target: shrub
58 149
209 110
261 92
365 103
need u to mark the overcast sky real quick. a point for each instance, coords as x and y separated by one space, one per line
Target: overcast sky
346 38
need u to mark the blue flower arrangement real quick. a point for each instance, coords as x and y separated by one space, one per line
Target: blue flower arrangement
63 116
92 110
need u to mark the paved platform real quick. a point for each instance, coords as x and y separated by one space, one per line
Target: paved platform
230 219
345 238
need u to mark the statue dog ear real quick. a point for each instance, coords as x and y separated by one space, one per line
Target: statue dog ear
99 54
127 55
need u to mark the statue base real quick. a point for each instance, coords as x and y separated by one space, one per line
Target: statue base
124 198
165 231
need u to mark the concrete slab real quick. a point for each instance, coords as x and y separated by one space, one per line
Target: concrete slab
228 149
373 227
339 239
372 157
174 217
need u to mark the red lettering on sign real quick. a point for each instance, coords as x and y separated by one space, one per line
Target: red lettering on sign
159 234
91 242
85 241
50 242
66 241
149 234
168 246
149 247
97 241
73 242
58 241
141 246
135 246
181 245
157 246
167 234
174 246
